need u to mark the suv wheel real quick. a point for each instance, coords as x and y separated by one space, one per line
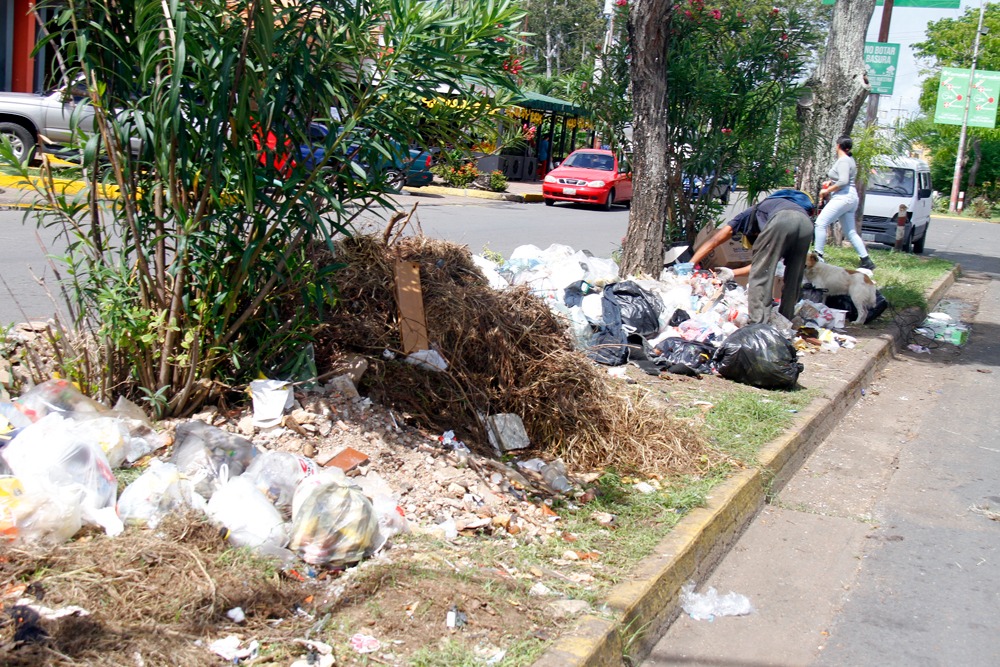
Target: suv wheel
20 140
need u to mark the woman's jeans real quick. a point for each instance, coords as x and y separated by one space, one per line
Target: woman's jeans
842 206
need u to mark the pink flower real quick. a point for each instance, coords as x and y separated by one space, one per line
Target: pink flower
726 130
716 14
775 11
687 13
621 3
784 36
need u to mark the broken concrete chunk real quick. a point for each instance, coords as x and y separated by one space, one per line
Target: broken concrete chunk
353 366
506 432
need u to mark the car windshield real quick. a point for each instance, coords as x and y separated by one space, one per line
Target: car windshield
891 181
590 161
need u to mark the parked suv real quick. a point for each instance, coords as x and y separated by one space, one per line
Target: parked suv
25 116
892 183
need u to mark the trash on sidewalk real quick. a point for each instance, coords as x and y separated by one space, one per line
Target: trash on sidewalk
706 606
942 326
157 493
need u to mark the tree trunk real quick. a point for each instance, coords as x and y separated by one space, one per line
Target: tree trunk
837 90
648 28
977 151
548 54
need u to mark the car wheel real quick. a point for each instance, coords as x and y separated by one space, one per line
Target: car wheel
550 202
628 204
918 246
610 201
20 140
395 179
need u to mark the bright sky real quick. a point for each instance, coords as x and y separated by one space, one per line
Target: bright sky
906 26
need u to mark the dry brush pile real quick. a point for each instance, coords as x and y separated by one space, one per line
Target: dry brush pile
507 352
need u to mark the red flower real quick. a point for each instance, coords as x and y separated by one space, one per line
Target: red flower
716 14
775 11
726 130
621 3
784 36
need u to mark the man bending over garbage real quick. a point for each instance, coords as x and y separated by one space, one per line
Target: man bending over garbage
778 228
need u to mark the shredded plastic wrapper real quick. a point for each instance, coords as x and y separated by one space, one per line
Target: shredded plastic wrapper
706 606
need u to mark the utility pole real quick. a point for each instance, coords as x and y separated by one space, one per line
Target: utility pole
960 158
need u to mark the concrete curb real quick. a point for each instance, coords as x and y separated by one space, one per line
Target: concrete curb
529 197
639 609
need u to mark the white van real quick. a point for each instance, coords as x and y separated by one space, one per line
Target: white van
892 183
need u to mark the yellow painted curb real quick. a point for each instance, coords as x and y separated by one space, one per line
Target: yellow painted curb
467 192
64 186
650 600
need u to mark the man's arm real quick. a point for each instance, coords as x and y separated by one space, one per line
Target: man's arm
711 244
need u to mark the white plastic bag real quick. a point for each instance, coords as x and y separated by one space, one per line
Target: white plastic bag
250 518
276 474
706 606
270 400
50 457
159 491
37 518
208 455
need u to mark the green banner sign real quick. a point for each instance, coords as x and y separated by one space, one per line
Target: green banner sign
881 62
926 4
955 93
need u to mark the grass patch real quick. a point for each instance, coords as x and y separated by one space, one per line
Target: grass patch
903 278
743 421
454 654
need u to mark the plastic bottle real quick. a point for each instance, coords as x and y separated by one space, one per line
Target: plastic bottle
554 475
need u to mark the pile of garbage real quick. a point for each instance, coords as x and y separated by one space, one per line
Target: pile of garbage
59 450
685 321
506 351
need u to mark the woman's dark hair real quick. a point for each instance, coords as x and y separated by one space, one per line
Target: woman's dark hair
845 144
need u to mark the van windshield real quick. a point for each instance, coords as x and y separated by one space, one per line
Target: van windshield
891 181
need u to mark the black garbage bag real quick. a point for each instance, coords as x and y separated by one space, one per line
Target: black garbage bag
760 356
640 309
843 302
680 316
608 344
684 357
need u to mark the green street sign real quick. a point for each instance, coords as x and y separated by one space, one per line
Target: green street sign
954 94
881 62
926 4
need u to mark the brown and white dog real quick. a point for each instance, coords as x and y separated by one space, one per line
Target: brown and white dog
836 280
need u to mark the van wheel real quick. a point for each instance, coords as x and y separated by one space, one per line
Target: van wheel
908 242
918 246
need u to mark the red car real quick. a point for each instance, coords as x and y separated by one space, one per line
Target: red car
589 176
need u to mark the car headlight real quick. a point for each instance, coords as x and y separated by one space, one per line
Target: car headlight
596 184
551 179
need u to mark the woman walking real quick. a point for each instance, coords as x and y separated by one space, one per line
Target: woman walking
842 203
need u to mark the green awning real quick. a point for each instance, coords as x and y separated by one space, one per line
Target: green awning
540 102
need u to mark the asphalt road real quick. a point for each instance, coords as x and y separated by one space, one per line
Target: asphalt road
881 549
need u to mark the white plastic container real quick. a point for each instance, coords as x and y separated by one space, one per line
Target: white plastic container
839 318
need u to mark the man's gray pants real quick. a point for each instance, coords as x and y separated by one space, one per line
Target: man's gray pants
786 237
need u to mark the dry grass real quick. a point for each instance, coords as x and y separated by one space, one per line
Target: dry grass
152 595
507 353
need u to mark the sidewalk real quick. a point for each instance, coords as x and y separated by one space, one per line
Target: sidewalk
636 612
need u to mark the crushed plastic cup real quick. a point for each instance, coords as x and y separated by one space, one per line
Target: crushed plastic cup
270 400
